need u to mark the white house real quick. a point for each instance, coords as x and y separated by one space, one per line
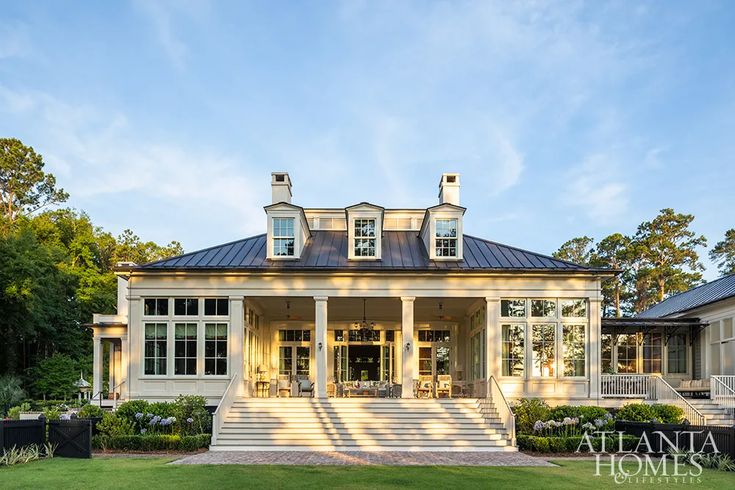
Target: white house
372 306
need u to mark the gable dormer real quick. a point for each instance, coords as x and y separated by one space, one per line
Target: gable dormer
364 231
441 230
288 229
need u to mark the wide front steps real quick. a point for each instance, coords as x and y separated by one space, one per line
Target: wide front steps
353 424
714 413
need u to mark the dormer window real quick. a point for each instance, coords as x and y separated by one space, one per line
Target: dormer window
446 237
365 240
283 237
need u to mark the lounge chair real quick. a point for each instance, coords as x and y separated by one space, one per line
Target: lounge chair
444 385
425 387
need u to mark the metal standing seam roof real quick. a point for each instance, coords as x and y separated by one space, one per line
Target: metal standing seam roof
327 250
705 294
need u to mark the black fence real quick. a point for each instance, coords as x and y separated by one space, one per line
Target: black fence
19 433
723 436
72 438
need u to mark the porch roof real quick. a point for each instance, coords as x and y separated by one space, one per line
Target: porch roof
621 325
402 251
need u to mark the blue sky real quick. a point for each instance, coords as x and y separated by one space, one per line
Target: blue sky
564 119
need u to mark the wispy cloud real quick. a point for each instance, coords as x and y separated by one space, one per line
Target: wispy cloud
595 189
15 41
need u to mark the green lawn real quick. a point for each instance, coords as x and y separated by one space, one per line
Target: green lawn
155 474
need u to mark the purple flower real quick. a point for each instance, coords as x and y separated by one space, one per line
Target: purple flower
154 420
143 431
190 420
138 416
539 426
599 422
150 415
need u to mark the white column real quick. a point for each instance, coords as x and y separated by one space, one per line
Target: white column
320 345
237 327
595 357
407 348
97 366
492 337
134 356
112 377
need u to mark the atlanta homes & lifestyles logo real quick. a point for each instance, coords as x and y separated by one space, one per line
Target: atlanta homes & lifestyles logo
654 459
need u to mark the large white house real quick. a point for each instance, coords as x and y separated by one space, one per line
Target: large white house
364 308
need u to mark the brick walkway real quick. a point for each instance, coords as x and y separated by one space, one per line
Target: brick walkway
365 458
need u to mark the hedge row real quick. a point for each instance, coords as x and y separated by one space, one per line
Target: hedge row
156 442
570 444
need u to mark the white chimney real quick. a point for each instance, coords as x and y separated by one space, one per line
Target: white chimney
281 187
449 189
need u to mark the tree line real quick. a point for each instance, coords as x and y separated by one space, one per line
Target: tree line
56 269
660 259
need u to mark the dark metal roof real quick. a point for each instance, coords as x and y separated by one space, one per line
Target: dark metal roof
643 323
705 294
401 251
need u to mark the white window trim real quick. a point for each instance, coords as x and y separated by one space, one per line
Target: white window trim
439 215
275 237
364 214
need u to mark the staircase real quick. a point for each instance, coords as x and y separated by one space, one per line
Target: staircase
361 424
715 414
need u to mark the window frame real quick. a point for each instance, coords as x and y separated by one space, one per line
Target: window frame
503 358
366 238
436 239
158 300
218 301
585 349
277 238
226 357
186 356
187 306
156 358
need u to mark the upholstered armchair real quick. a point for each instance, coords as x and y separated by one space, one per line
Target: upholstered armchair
284 385
444 385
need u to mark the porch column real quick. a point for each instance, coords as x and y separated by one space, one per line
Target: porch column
595 347
492 337
124 371
134 351
408 347
112 381
320 345
237 327
97 365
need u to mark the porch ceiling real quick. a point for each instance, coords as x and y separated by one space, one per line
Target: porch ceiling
350 309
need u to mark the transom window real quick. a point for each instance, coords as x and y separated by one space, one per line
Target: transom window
155 346
215 349
434 336
216 307
294 335
446 237
186 306
155 307
365 240
574 308
283 237
510 308
543 308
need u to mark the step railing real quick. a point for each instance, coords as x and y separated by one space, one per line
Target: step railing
117 394
625 385
663 392
722 391
224 405
505 412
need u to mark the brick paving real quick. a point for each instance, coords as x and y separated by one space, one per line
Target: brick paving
391 458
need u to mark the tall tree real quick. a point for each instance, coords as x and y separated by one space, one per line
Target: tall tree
577 250
723 253
131 249
615 252
24 186
668 260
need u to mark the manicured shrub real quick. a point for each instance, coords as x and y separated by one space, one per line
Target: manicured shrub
668 414
192 443
636 412
128 409
192 415
584 413
90 411
156 442
528 411
115 425
162 409
570 444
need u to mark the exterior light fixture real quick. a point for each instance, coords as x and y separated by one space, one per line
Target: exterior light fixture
408 346
320 346
363 325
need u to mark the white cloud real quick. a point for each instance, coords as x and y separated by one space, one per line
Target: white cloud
14 40
594 188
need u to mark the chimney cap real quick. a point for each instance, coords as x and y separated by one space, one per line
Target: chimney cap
451 178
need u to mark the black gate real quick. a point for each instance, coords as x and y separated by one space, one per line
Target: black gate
73 438
19 433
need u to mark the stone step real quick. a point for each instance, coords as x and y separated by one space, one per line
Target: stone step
499 447
452 425
400 439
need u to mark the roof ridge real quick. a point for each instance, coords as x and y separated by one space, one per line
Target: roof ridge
189 254
529 252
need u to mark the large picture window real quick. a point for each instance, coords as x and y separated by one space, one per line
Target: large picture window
155 348
215 349
543 343
446 237
513 350
283 237
574 349
185 349
365 240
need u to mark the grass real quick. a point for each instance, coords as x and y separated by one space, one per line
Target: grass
154 473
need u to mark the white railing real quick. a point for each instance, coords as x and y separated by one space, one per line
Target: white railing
663 392
116 395
225 403
625 385
503 408
722 391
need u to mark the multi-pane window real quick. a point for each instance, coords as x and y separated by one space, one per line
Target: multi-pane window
543 343
513 308
283 237
573 347
543 308
294 335
433 335
285 360
302 362
513 350
155 307
677 354
573 308
364 335
390 335
364 229
186 306
607 352
155 348
216 307
652 353
446 237
185 348
442 359
215 348
627 350
425 361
